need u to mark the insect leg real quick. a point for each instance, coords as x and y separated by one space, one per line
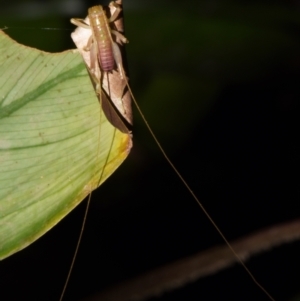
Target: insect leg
118 59
80 23
116 13
92 46
121 39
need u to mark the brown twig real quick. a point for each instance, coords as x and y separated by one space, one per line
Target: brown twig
189 269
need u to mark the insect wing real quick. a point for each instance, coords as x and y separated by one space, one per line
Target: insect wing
110 111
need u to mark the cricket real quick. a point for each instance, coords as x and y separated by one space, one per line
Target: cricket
94 39
99 40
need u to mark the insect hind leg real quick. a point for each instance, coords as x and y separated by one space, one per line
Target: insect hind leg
118 59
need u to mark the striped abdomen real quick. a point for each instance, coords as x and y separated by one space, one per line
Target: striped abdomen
102 37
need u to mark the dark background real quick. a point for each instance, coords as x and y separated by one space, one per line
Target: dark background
219 84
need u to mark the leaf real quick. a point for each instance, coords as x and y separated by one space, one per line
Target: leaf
56 146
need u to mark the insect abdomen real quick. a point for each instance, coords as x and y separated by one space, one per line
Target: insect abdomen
102 37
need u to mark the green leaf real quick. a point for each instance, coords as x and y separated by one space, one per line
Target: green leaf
56 145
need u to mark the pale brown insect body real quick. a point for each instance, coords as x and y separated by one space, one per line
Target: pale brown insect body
101 45
101 38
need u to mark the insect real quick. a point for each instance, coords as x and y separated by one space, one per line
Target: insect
101 52
100 44
98 41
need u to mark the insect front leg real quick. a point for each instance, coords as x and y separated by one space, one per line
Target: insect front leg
120 38
80 23
90 46
117 10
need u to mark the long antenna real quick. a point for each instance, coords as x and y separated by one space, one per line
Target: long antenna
77 247
196 198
